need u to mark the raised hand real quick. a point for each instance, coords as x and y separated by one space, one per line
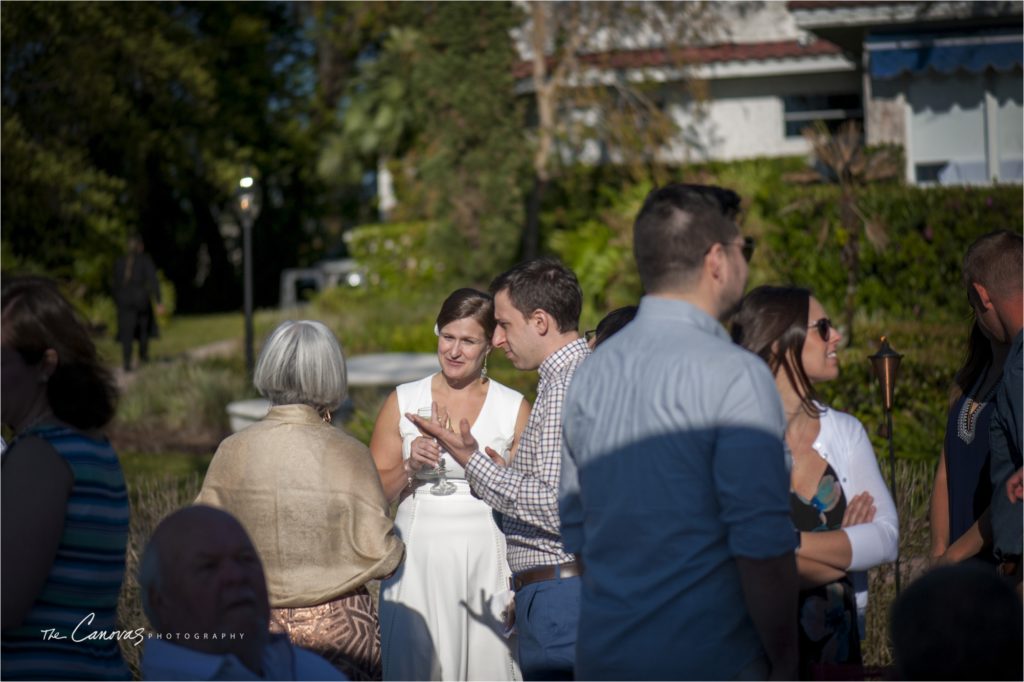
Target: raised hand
460 445
1015 486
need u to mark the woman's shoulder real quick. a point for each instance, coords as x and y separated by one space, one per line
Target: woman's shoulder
840 426
409 393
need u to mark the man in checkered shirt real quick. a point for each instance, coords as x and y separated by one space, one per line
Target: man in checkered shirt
537 306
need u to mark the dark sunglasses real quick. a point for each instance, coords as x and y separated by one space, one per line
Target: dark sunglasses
747 247
823 326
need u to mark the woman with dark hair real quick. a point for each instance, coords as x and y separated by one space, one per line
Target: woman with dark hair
609 325
838 499
440 613
960 524
64 502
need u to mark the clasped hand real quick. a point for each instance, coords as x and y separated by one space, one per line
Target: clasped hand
861 509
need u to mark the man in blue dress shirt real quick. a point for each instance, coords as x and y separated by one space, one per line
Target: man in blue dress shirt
674 490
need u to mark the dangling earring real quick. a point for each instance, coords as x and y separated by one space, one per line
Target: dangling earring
483 371
327 416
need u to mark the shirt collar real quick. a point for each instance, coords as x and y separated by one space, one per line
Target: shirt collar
658 307
294 414
562 358
162 655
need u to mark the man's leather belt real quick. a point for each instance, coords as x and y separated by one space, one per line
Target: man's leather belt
536 575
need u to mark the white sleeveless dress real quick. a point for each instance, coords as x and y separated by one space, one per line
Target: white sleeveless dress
440 612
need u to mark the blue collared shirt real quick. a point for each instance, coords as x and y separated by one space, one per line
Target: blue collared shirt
164 660
672 466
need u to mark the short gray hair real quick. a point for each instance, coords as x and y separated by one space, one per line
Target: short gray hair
301 362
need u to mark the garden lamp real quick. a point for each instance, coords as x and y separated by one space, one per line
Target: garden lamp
885 363
247 200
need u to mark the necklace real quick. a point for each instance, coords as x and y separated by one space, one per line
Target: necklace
971 408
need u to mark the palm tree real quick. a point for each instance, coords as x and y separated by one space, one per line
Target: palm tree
842 158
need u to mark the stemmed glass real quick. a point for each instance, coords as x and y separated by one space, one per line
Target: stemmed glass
443 486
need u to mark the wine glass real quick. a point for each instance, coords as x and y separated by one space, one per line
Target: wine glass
442 486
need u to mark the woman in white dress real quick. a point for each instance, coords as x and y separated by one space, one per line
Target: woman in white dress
440 613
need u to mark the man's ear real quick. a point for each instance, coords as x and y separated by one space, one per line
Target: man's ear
541 321
983 296
714 261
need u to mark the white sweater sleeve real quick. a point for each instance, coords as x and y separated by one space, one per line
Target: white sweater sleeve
876 542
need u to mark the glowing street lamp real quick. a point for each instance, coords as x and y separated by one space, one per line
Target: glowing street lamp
247 200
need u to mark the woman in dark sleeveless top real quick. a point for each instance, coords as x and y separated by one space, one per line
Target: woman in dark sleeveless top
963 490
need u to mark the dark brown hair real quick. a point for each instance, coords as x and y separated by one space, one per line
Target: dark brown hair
976 359
37 317
772 322
996 261
543 284
463 303
613 322
675 228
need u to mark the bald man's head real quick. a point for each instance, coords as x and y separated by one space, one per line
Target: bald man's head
201 574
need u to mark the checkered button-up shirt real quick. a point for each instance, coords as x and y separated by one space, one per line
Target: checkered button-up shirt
527 491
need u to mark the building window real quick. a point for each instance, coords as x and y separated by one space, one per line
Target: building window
800 111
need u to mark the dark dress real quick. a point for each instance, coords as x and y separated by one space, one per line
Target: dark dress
827 617
967 466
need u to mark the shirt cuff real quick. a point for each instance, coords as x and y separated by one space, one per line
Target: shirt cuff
480 468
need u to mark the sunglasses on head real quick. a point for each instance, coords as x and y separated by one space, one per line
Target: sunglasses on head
824 325
746 248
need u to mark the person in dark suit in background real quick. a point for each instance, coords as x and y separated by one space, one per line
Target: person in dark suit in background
135 286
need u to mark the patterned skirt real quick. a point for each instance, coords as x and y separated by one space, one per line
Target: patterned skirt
345 631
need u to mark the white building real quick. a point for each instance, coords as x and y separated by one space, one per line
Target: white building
940 79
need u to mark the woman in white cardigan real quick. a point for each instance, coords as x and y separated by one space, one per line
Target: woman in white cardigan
838 499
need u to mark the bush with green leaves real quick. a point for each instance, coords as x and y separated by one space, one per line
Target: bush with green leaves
398 256
910 263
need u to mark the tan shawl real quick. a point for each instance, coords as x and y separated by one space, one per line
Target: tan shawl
309 496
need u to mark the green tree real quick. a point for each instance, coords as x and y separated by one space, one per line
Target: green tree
473 155
123 117
581 97
436 96
844 160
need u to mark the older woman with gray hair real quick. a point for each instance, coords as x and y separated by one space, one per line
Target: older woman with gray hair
309 496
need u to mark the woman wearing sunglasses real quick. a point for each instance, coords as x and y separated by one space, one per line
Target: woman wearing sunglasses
838 499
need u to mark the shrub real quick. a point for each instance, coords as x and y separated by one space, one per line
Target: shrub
180 405
922 234
398 255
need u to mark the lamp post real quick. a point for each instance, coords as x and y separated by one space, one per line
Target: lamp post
247 198
885 363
